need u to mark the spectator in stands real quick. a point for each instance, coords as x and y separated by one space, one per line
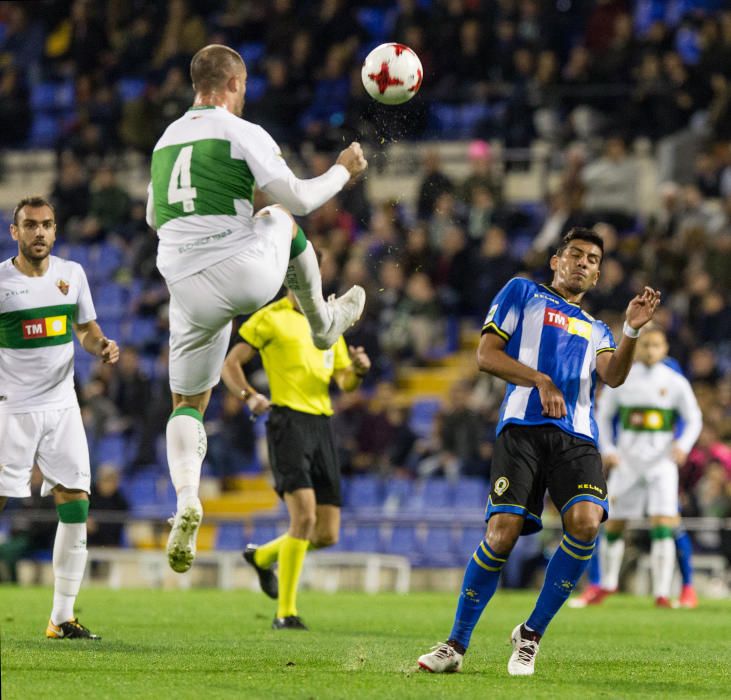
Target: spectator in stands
231 442
107 498
433 184
22 42
129 389
491 267
484 173
460 439
110 203
15 114
70 194
612 185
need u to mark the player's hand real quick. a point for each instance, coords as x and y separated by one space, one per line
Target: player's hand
352 159
642 308
109 352
258 404
610 462
552 399
679 455
361 361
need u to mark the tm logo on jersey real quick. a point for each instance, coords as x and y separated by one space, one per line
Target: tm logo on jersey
570 324
44 327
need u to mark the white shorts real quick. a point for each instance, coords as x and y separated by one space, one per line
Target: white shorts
54 440
202 305
638 491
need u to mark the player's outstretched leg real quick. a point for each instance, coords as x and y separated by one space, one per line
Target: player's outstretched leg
186 448
563 572
479 585
328 319
69 562
263 559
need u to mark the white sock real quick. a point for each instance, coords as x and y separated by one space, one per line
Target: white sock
611 554
303 278
186 448
662 563
69 562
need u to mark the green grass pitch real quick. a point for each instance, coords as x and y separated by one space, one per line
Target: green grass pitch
214 644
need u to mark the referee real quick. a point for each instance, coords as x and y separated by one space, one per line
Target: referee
299 435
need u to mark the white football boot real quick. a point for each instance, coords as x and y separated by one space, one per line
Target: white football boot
442 659
525 649
345 310
181 542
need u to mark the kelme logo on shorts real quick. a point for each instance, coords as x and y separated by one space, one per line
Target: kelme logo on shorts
501 486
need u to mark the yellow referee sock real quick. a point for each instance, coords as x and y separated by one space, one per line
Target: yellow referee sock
266 554
291 557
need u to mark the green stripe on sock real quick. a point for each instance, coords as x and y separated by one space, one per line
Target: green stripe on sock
661 532
613 536
299 243
73 511
186 411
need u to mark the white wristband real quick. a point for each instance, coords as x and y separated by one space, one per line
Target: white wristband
629 331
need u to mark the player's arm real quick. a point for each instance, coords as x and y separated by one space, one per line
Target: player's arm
690 411
304 196
492 358
93 340
235 379
613 367
349 378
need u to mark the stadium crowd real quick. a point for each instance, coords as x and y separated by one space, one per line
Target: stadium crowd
588 78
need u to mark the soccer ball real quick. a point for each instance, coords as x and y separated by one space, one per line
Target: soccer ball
392 74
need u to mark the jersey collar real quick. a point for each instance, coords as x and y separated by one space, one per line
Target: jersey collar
558 294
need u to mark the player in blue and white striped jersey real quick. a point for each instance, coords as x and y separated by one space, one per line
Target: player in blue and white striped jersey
537 338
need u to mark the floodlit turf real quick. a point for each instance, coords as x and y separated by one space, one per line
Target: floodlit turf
213 644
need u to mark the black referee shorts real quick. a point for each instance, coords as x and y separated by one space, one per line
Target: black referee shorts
302 454
528 459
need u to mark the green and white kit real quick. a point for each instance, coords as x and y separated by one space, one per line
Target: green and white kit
647 407
40 419
218 259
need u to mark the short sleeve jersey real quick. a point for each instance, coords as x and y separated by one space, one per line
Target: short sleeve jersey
36 335
204 170
556 337
299 374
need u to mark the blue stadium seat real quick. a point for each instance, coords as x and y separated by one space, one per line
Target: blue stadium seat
230 537
251 52
365 492
106 259
438 494
470 493
111 448
422 415
75 252
405 542
397 492
376 21
110 300
50 97
468 541
140 331
367 538
256 86
44 131
131 88
439 547
264 532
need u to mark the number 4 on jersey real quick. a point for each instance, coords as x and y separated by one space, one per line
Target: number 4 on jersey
179 189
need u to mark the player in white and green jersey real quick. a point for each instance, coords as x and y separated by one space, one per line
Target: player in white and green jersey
42 299
220 260
643 461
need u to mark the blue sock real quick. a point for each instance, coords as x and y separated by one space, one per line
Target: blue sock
595 568
562 574
684 549
480 582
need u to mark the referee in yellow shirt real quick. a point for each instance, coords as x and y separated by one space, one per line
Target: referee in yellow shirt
299 434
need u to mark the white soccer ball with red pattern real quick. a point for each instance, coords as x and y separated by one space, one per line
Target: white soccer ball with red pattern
392 74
